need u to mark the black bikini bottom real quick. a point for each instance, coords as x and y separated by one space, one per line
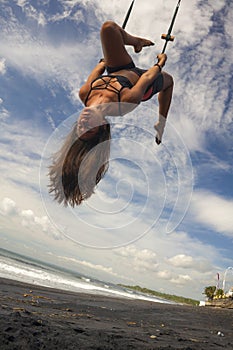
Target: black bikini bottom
153 89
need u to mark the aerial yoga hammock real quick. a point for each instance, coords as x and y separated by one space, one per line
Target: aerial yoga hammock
83 159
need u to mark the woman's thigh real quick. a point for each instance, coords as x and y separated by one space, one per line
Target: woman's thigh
113 46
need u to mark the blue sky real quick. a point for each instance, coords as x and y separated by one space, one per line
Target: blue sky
163 216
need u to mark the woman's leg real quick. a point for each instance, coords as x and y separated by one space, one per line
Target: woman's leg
164 98
114 39
165 95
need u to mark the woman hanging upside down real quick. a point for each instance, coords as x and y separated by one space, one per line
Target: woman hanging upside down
83 159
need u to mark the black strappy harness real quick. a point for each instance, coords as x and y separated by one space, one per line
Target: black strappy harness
107 85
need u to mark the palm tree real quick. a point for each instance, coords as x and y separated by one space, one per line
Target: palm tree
209 292
219 293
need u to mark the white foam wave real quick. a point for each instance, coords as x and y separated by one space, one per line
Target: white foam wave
24 272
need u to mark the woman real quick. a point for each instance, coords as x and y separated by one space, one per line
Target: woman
83 160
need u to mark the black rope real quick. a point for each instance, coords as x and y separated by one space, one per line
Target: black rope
127 15
168 36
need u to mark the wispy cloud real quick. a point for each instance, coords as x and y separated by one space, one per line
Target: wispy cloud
183 261
140 260
2 66
181 279
27 218
214 211
88 264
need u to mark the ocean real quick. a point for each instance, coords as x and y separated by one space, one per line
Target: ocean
17 267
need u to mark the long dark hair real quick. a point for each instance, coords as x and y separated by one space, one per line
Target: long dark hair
79 166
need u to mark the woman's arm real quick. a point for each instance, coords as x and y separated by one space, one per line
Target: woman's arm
137 92
98 70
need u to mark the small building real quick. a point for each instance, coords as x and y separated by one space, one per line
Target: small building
229 294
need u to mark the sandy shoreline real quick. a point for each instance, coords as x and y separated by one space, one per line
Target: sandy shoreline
40 318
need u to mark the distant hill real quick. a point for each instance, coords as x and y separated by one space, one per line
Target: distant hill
170 297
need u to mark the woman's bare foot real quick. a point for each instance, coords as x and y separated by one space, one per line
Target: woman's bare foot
159 127
141 42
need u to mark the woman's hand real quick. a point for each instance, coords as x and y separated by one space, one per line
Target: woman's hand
162 58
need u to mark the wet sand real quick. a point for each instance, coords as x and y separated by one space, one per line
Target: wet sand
40 318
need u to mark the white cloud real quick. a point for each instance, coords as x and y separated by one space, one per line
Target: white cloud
8 207
195 264
46 63
41 61
143 260
4 113
217 6
27 218
181 279
21 3
214 211
181 260
133 252
188 130
2 66
164 274
88 264
33 13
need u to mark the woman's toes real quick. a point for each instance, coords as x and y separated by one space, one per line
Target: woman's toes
142 43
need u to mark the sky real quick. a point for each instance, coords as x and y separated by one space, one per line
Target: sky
162 217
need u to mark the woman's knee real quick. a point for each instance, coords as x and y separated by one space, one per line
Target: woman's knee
108 26
168 80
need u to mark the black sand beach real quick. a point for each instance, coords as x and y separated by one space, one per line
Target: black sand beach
40 318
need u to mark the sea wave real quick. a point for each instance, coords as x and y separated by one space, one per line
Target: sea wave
16 267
